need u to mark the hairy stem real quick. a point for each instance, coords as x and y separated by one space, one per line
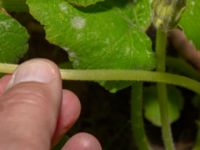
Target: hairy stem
120 75
161 40
137 117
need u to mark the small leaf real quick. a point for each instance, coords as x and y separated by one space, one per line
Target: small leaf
151 104
84 2
13 39
190 22
103 36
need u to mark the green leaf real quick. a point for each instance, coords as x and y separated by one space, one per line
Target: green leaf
13 39
102 36
190 22
151 104
84 2
14 5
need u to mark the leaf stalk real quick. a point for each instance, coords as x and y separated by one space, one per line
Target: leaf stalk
161 42
120 75
137 123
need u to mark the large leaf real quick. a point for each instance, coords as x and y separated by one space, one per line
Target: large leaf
151 104
13 39
190 21
14 5
102 36
84 2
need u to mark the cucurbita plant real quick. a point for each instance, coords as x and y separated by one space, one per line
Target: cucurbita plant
107 42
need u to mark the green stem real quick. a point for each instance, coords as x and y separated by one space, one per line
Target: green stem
137 117
197 142
161 40
178 65
120 75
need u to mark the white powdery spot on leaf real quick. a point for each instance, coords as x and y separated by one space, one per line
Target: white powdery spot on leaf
63 7
193 3
5 24
78 22
72 55
65 48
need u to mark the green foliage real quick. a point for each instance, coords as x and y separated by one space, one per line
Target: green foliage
111 34
151 104
84 2
190 22
14 38
14 5
103 36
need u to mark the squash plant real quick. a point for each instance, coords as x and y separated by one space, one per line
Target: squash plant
106 41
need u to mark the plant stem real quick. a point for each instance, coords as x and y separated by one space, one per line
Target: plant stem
7 68
178 65
120 75
161 40
137 117
197 142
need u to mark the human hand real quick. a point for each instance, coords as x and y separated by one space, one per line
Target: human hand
35 112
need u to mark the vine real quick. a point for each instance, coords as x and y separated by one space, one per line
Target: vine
161 41
121 75
137 117
130 52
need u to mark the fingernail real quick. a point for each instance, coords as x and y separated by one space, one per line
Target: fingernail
36 70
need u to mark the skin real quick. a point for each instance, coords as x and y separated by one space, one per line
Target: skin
35 111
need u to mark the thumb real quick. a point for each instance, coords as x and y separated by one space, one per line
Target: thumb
30 105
